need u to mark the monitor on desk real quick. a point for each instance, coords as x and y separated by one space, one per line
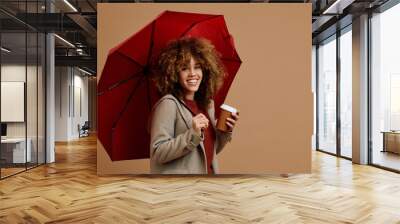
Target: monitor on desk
3 130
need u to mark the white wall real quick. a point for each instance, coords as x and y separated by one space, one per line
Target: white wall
71 93
13 72
62 81
80 84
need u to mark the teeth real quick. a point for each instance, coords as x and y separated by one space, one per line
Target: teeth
192 81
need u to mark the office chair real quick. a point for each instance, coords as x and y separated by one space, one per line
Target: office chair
84 130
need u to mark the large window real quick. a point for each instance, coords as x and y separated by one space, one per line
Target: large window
346 93
327 95
334 73
385 88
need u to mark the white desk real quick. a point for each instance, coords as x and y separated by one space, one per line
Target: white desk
16 147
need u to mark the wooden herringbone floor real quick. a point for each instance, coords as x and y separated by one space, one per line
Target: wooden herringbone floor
69 191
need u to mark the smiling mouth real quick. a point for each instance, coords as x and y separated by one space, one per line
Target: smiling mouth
192 82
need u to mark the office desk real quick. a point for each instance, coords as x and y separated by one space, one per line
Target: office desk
13 150
391 141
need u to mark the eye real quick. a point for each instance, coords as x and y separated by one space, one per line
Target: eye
197 66
184 68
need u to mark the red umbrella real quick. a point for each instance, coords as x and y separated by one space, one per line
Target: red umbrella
126 93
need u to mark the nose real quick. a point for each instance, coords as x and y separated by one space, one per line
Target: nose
191 71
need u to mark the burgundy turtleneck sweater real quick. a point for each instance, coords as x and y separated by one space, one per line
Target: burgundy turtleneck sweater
209 134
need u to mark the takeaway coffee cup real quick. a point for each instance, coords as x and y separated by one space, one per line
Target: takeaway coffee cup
226 111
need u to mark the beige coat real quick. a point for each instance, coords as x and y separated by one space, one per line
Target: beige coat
175 148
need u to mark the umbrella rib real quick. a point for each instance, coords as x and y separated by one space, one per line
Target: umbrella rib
148 61
148 92
127 102
196 23
120 83
231 59
151 42
129 58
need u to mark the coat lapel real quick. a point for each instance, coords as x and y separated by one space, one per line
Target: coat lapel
187 115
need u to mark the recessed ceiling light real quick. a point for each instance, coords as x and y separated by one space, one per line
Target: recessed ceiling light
84 71
65 41
70 5
5 50
338 6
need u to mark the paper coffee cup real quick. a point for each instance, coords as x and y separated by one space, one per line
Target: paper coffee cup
226 111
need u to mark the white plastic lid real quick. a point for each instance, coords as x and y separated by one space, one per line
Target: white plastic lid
228 108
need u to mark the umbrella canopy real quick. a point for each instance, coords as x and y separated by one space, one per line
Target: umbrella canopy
126 92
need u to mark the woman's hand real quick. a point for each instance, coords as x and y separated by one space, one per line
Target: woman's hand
230 122
199 122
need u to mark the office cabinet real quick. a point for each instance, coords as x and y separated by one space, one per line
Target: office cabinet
391 142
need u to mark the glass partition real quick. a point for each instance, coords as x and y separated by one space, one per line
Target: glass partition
22 77
327 95
13 103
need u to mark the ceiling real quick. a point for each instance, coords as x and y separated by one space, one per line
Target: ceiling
76 22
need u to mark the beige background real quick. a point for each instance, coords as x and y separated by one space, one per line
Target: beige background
272 89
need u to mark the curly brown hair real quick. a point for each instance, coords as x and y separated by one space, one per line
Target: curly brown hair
176 55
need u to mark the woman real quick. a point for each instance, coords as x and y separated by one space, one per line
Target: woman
183 135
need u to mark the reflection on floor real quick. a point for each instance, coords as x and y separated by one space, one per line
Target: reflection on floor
346 152
10 169
387 159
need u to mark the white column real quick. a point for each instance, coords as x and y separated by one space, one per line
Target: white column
50 109
360 90
314 91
